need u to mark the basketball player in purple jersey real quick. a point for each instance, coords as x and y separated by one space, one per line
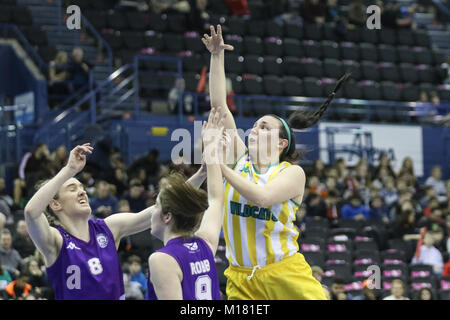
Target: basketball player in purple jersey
184 268
80 254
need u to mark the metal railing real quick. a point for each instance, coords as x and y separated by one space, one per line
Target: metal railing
62 124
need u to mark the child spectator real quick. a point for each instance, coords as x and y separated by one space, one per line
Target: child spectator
132 288
425 294
378 210
355 210
136 274
397 291
429 254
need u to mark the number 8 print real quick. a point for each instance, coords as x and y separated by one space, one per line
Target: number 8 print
95 266
203 288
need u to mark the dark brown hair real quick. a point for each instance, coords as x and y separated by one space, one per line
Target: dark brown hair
303 120
184 202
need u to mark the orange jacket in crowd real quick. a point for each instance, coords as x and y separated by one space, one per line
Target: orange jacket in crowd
10 289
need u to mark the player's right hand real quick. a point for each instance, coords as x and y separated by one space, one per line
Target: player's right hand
214 43
77 158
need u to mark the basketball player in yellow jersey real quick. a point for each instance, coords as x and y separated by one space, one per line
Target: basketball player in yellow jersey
263 191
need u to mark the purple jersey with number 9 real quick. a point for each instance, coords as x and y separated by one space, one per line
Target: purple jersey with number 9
88 270
196 261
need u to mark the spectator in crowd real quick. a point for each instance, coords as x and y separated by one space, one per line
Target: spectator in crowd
356 14
423 97
378 210
120 181
315 206
392 16
22 241
425 294
165 6
132 288
446 269
356 209
37 278
332 11
314 11
149 163
407 166
429 254
430 194
197 17
384 163
317 274
338 290
78 70
333 205
2 222
368 293
59 157
404 226
9 256
6 201
175 94
137 197
435 180
5 277
433 221
103 204
135 267
19 289
57 76
397 291
87 179
389 192
319 170
343 171
38 167
238 7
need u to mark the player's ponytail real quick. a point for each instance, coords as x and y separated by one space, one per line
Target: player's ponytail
303 120
185 202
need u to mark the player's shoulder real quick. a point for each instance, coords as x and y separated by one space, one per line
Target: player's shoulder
292 169
161 261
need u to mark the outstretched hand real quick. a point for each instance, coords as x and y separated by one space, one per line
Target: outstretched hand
214 43
213 135
77 158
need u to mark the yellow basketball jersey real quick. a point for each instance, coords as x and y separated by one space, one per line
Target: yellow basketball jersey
254 235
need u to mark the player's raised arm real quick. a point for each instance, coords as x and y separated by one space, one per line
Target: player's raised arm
217 83
211 223
40 231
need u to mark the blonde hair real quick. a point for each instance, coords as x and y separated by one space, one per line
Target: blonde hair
61 57
49 214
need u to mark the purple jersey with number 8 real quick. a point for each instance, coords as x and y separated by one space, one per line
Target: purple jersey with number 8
196 261
88 270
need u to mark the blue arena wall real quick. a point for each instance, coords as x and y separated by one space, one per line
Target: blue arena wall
16 79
